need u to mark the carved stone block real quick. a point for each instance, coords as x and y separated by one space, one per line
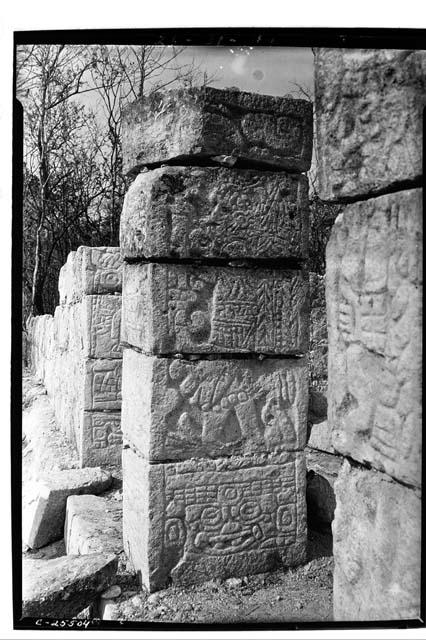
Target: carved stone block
101 269
101 319
374 299
182 309
188 212
201 519
102 385
369 119
376 546
100 438
206 122
177 409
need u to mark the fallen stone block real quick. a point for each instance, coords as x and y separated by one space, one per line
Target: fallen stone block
101 317
369 120
44 516
322 471
200 519
63 587
188 212
376 546
204 123
100 438
175 409
374 282
93 525
170 309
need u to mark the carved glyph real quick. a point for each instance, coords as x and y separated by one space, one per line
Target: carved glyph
221 310
374 296
101 326
213 212
218 518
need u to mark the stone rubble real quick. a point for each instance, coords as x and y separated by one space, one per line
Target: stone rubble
62 587
92 525
44 513
213 466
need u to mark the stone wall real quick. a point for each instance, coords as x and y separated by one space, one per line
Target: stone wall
215 328
77 355
369 106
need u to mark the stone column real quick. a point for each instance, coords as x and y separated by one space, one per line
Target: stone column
215 327
369 107
78 356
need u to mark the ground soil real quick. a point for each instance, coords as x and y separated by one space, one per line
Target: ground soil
300 594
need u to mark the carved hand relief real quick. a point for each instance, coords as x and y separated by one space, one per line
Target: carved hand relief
206 408
375 264
215 310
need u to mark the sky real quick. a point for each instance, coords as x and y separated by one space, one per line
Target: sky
269 70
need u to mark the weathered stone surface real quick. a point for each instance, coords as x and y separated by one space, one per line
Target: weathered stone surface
101 438
374 297
206 122
318 349
101 318
182 309
320 436
177 409
369 110
93 525
376 545
200 519
44 517
62 587
186 212
322 471
102 385
101 269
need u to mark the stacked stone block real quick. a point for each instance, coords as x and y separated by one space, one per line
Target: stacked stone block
214 329
369 106
78 356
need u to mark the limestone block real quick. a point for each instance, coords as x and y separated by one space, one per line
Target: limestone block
374 300
93 525
320 436
101 319
369 119
102 385
184 309
322 471
60 588
211 212
62 328
101 269
201 519
202 123
100 438
376 546
177 409
318 339
44 516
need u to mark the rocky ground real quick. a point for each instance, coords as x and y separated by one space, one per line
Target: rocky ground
302 594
